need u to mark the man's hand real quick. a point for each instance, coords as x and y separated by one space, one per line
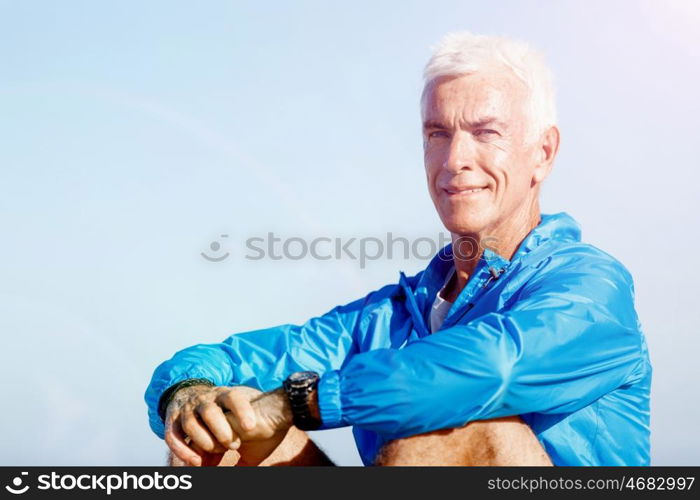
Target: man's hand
273 419
196 428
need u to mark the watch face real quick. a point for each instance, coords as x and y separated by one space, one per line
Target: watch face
301 378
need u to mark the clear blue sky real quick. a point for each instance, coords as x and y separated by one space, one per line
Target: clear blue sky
133 134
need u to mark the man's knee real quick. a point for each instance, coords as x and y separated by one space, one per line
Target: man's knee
230 458
502 441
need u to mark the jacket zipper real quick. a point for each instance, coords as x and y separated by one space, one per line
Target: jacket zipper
494 275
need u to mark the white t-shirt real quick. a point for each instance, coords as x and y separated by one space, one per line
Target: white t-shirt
441 307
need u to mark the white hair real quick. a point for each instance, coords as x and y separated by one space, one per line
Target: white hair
464 53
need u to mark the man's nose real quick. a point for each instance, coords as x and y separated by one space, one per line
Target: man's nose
461 154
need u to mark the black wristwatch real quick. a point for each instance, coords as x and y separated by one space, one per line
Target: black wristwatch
299 386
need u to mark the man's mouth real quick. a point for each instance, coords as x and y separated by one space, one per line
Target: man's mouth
464 191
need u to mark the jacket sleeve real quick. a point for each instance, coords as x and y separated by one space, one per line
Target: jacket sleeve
570 336
261 358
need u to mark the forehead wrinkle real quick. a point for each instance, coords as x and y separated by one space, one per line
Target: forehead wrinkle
437 123
478 97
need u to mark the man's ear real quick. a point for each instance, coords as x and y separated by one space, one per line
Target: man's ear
547 151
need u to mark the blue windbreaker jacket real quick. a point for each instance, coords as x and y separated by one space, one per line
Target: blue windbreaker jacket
553 338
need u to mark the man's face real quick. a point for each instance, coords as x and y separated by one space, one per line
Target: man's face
480 169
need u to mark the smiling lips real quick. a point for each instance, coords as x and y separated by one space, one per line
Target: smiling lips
463 190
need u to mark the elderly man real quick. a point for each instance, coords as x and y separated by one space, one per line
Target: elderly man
517 345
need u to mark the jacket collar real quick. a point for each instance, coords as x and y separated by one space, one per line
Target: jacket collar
559 226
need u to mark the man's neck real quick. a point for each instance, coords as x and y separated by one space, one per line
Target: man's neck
503 239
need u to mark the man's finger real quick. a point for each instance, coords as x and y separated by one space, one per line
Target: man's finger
239 406
175 438
209 459
198 432
213 417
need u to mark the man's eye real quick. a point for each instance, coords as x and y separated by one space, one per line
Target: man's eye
437 133
485 132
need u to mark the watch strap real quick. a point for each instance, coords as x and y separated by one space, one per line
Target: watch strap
299 395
